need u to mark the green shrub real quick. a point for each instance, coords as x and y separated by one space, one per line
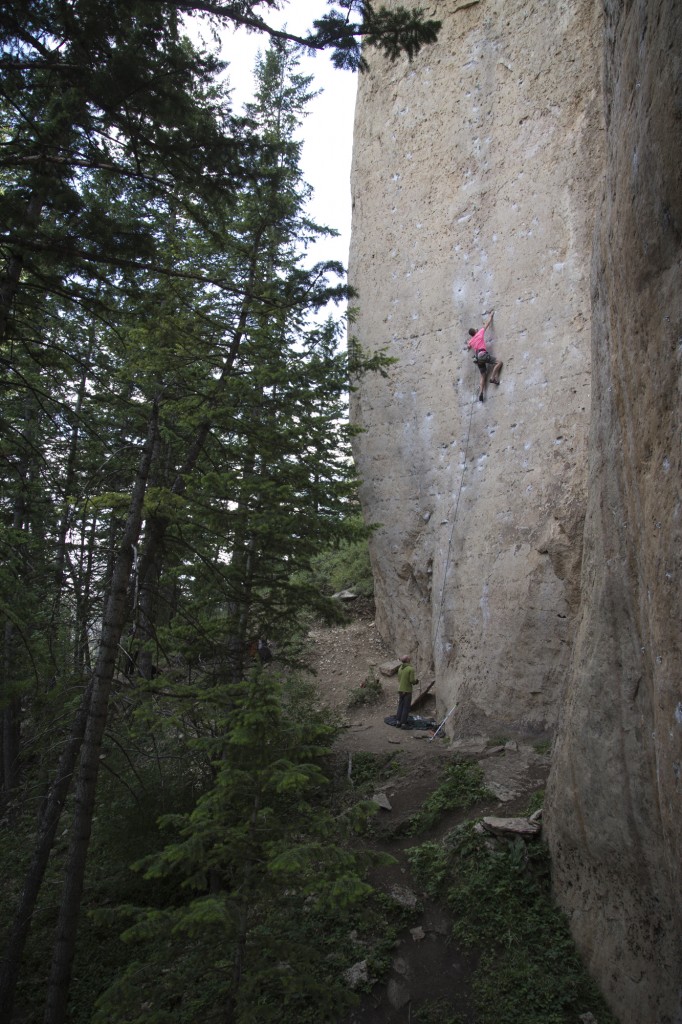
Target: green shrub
536 801
368 693
462 787
437 1011
345 566
368 769
529 971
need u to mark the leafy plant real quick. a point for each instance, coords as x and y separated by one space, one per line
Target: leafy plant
368 692
529 971
536 801
462 787
345 565
368 768
430 864
437 1011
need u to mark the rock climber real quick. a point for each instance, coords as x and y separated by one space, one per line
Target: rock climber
483 358
406 680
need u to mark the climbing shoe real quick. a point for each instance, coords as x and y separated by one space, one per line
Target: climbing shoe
480 397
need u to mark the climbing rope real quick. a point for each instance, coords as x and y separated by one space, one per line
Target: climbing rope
454 522
452 532
447 560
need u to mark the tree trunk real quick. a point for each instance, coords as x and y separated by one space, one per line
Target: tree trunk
239 957
11 716
11 729
150 566
65 514
49 820
15 264
86 785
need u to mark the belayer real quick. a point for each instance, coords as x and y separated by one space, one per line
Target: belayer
483 358
406 680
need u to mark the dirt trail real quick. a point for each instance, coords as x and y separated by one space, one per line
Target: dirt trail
344 656
426 967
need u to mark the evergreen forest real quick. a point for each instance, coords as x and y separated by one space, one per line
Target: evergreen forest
175 455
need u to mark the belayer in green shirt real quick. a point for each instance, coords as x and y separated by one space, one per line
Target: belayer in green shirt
406 680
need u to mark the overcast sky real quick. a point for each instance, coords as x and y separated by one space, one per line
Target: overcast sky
327 130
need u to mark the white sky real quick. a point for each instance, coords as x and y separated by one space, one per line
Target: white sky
327 130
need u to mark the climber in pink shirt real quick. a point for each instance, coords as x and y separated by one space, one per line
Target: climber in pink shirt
483 358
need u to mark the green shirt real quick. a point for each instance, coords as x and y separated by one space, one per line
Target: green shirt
406 679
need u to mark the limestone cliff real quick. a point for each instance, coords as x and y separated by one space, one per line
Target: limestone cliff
615 808
474 186
530 161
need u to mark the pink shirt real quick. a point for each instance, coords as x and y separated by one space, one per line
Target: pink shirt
478 341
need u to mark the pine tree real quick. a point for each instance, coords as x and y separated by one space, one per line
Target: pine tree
260 862
173 432
96 91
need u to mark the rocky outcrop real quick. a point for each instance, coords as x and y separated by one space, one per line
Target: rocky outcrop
474 186
614 814
479 173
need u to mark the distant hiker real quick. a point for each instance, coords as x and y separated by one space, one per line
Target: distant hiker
406 680
483 358
264 652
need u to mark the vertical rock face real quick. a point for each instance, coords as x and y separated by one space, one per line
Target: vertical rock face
480 172
475 176
614 814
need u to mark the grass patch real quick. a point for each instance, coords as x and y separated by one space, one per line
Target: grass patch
367 769
529 971
462 787
437 1011
536 802
543 748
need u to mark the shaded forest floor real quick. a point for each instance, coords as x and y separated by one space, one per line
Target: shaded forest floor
429 978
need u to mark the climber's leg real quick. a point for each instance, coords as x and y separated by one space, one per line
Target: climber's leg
484 381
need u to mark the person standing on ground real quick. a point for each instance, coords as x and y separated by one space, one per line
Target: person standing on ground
406 680
483 358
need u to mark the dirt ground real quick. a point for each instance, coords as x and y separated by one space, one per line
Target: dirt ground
427 967
343 657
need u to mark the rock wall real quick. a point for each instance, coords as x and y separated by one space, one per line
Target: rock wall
474 186
614 813
532 161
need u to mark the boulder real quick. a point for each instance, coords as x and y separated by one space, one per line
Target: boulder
397 993
389 668
382 800
357 975
510 827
